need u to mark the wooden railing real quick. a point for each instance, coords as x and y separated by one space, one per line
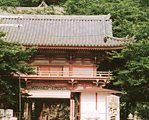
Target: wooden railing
100 74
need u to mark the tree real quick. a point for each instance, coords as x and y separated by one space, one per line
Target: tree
132 76
12 3
28 3
13 58
130 17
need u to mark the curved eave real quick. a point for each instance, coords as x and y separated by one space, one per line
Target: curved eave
79 47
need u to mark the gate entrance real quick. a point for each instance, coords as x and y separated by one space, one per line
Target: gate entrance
51 109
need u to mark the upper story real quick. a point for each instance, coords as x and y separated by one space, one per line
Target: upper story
68 64
69 47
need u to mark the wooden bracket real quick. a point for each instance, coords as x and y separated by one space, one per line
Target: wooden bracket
99 82
96 82
72 82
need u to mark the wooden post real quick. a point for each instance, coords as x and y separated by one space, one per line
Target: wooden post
26 110
30 110
41 114
72 108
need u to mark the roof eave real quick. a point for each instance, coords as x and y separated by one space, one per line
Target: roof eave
79 47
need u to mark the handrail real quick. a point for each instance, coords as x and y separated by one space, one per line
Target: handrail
101 74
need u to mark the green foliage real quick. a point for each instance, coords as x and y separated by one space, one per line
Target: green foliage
51 10
28 3
36 3
135 71
132 76
143 110
15 3
130 17
13 58
12 3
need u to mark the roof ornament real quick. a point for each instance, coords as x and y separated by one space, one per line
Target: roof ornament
107 17
130 117
43 4
123 40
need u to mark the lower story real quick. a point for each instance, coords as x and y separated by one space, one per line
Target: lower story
93 103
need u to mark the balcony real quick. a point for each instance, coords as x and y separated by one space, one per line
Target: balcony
67 75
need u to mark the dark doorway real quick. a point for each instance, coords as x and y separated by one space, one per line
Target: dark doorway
51 109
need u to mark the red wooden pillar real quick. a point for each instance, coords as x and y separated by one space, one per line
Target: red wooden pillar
80 107
70 69
26 110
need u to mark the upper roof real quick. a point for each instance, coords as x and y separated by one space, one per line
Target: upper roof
60 30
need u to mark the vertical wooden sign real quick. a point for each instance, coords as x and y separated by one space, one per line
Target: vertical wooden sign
113 107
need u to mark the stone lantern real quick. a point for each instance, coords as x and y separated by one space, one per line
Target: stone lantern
130 117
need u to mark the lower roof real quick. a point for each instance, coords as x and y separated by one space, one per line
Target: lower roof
95 89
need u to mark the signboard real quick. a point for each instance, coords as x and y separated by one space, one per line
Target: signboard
113 107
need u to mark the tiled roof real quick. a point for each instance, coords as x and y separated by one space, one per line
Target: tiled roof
2 12
60 30
96 89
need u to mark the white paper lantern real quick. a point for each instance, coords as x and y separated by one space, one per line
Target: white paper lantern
9 113
2 112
